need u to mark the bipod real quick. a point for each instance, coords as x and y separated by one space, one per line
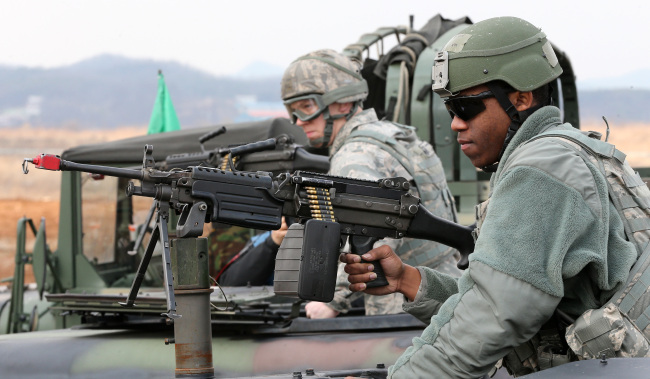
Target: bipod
143 230
158 235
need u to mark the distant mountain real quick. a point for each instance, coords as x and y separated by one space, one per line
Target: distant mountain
257 70
636 80
618 106
109 91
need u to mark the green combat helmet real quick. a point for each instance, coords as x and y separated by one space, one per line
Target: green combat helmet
503 48
491 52
326 77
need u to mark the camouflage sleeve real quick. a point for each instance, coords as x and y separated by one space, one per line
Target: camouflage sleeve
343 297
368 161
364 161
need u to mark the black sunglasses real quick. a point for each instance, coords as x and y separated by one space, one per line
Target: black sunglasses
467 107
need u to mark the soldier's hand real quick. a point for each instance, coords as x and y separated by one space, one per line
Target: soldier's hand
315 309
361 273
278 235
401 277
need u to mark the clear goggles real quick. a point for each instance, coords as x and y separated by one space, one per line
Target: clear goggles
305 108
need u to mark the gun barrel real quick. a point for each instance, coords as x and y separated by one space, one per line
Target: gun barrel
55 163
102 170
253 147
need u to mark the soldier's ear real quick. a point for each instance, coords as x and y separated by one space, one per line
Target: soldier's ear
522 100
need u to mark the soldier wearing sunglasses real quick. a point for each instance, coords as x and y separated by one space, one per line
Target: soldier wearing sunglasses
323 92
550 243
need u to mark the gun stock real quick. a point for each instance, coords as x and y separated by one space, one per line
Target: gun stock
426 225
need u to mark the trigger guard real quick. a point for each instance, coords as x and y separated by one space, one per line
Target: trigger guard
190 223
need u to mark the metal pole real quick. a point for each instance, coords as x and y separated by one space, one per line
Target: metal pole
193 330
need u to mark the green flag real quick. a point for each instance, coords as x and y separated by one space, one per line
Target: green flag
163 117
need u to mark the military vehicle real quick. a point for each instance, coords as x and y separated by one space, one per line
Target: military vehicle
71 325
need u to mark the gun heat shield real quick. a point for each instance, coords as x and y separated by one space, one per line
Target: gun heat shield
307 261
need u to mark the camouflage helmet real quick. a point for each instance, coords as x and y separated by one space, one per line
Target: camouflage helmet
327 73
503 48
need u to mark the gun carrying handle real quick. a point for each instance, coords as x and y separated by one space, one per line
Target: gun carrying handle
210 135
268 144
360 245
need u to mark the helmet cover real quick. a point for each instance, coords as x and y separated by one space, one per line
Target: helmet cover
327 73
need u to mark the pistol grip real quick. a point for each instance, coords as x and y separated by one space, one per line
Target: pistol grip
360 245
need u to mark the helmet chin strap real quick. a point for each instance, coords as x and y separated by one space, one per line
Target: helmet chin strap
329 125
516 119
327 132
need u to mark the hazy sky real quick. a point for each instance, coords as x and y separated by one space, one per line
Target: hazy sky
602 38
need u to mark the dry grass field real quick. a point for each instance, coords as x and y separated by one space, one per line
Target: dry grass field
36 195
632 139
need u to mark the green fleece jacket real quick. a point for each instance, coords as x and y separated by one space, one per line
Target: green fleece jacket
550 238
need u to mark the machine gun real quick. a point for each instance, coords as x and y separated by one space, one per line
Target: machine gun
275 155
328 209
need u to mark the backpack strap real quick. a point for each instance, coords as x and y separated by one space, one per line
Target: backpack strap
387 144
628 298
597 147
383 141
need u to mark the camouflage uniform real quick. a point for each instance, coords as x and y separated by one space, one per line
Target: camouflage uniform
356 159
224 241
622 339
